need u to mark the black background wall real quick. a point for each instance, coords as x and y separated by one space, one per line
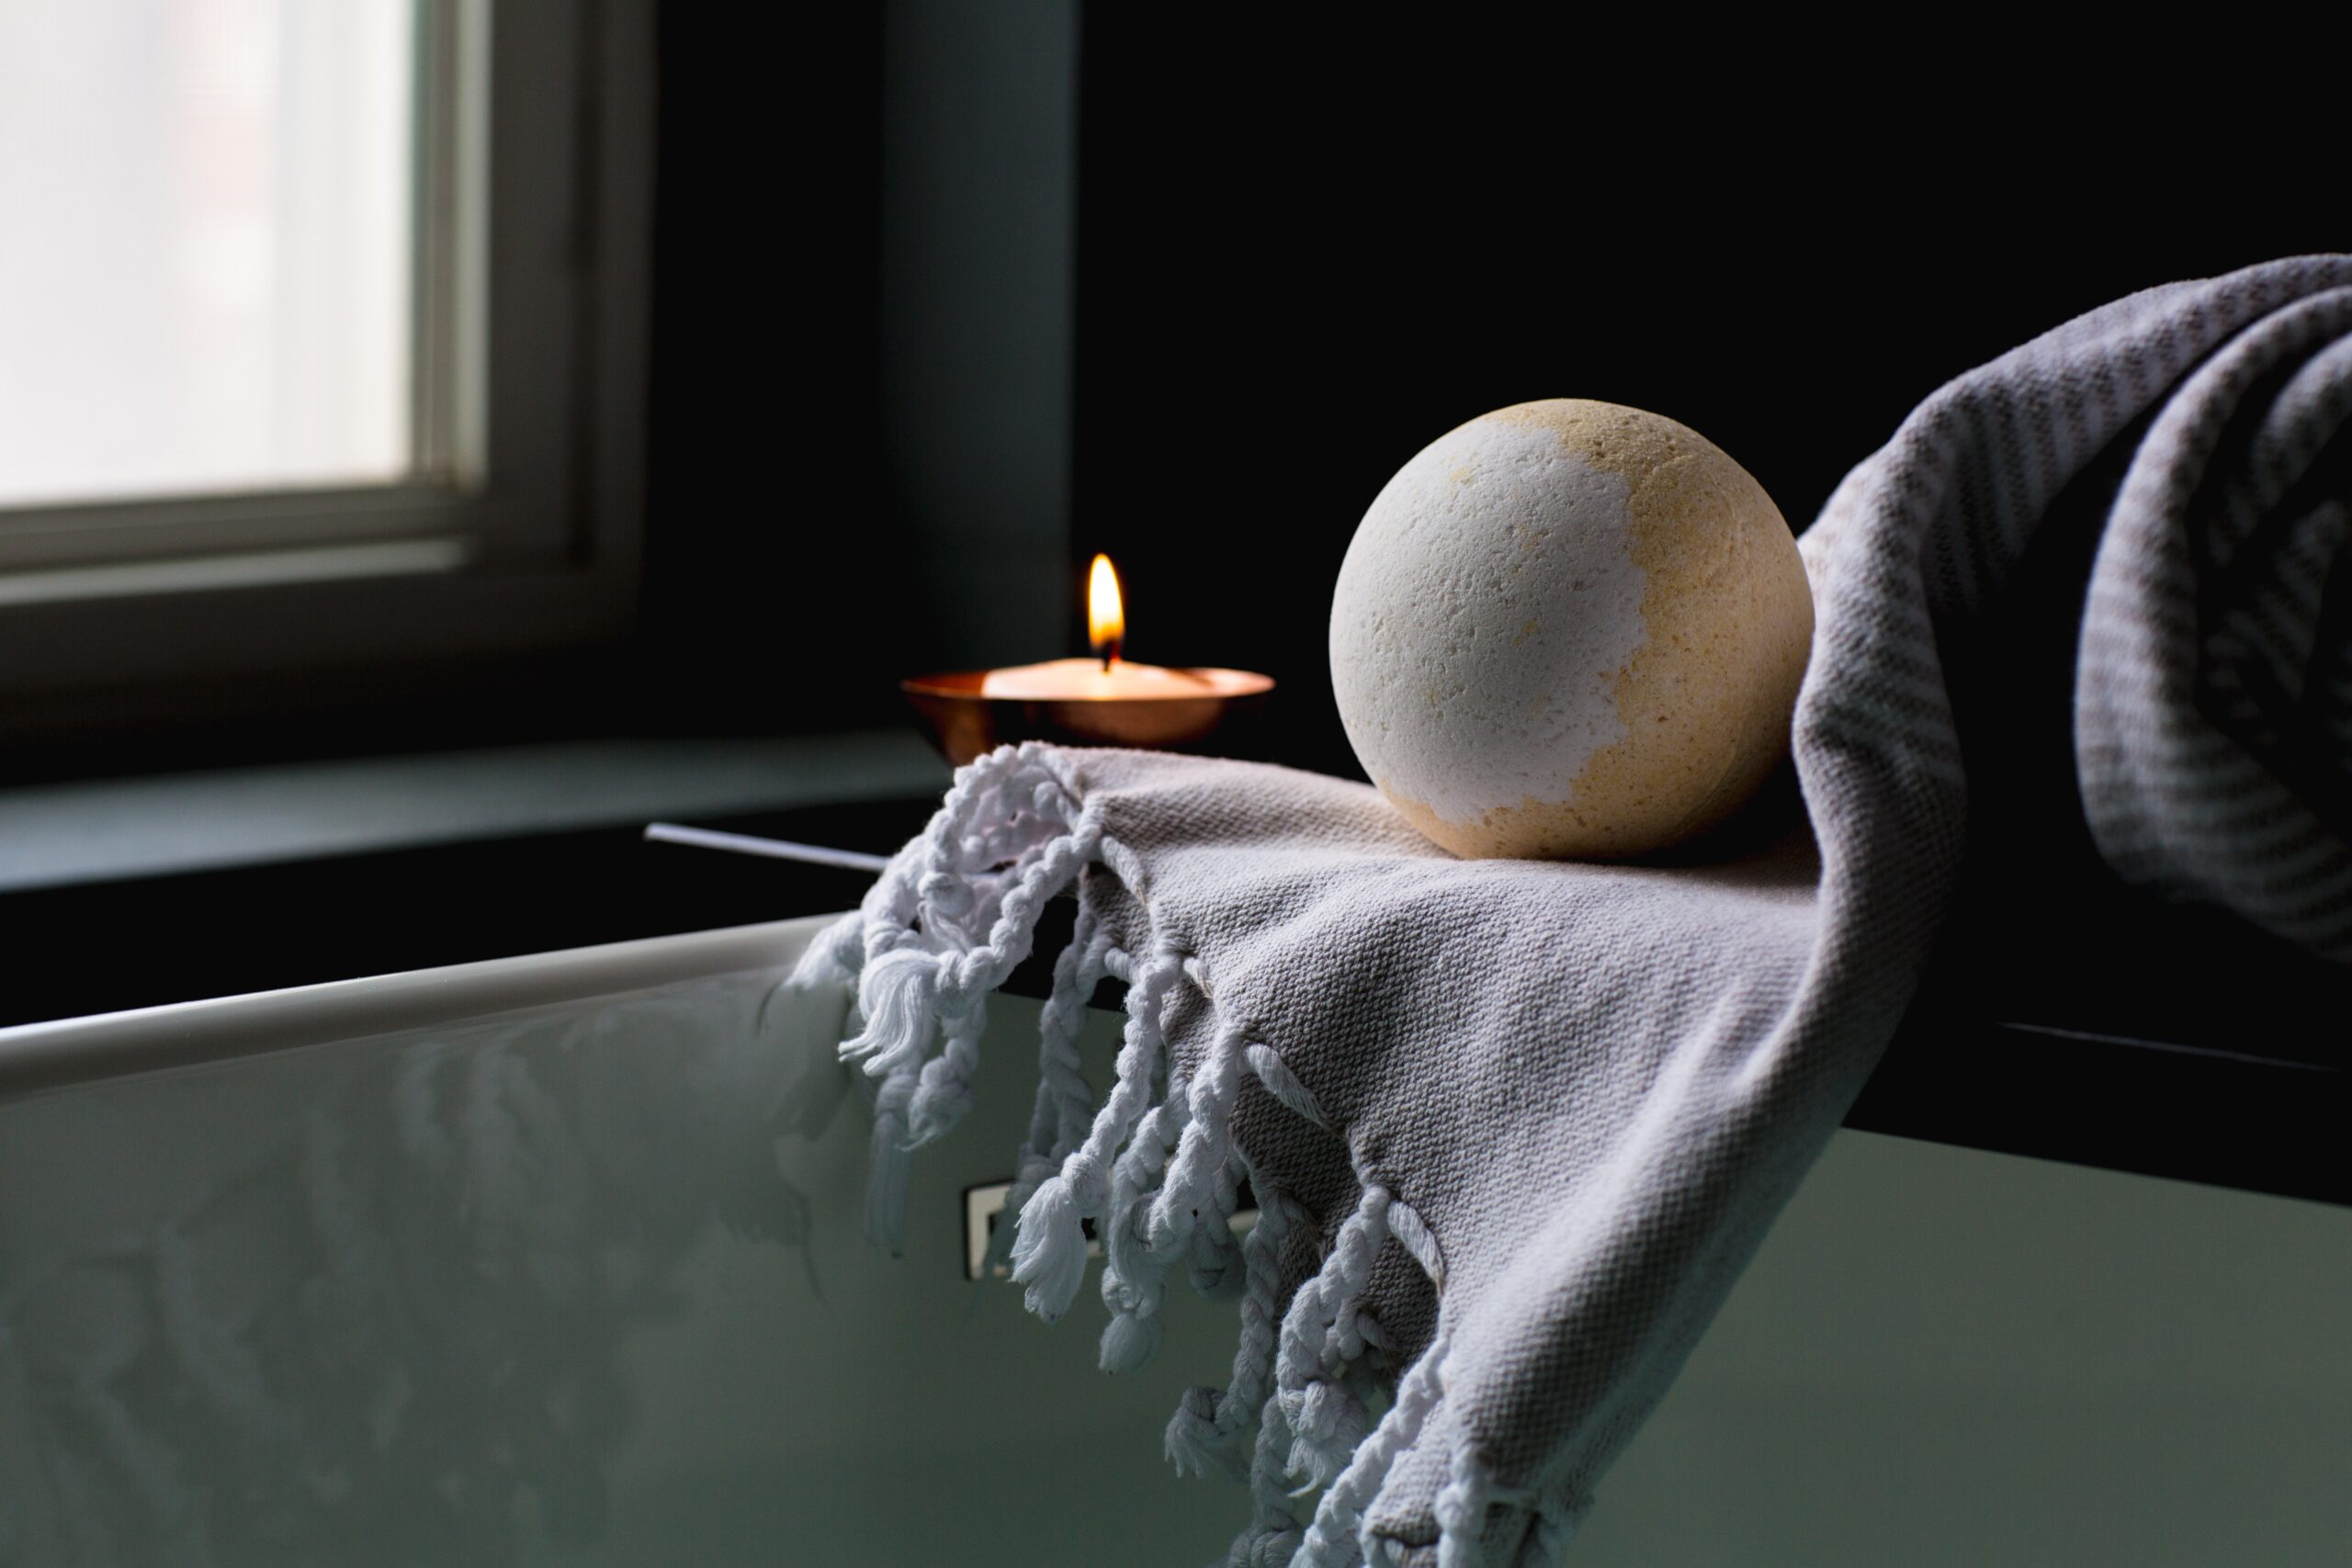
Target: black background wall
861 399
763 544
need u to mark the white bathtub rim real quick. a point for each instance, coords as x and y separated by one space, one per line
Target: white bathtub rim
61 1052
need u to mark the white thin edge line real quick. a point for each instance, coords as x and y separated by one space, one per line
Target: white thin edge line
771 849
2173 1046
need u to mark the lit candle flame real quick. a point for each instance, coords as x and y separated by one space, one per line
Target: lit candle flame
1106 621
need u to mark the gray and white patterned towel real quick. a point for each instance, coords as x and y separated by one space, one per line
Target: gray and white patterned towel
1514 1128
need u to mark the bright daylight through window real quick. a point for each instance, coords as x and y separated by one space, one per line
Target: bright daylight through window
209 264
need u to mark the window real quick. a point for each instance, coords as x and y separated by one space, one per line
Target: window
322 334
208 285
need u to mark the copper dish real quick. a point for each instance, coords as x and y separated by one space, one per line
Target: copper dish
964 724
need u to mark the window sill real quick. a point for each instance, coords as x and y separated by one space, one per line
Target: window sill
136 893
119 830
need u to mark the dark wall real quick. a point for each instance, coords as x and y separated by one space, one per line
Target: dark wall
761 542
862 361
1308 251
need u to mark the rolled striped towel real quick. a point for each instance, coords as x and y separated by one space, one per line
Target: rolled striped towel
2214 697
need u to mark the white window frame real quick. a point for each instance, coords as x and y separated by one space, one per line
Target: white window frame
520 530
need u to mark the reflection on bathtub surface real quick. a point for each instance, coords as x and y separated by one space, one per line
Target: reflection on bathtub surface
378 1289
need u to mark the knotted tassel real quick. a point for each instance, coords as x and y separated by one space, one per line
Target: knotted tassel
898 997
966 978
1065 1100
1327 1423
1046 869
1318 1336
1130 1340
1213 1258
1338 1534
1192 1214
1049 1247
1273 1536
1204 1434
1135 1276
1050 1252
1194 1445
944 1092
1204 1153
948 900
1065 1103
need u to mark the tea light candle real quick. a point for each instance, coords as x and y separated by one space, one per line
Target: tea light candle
1105 700
1064 679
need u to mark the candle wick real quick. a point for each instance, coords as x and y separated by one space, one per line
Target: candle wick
1110 651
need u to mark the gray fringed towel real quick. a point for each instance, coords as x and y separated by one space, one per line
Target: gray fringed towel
1514 1128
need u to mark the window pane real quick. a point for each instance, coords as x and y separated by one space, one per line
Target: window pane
206 244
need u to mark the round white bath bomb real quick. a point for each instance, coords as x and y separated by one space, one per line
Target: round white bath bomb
1569 629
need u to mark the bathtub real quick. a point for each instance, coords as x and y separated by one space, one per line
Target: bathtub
555 1259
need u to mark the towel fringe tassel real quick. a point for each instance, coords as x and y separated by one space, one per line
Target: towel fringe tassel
943 926
1319 1337
1050 1250
1339 1532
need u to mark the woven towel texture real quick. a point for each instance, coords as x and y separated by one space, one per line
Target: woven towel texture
1514 1128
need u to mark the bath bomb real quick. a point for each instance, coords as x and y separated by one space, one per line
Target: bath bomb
1569 629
